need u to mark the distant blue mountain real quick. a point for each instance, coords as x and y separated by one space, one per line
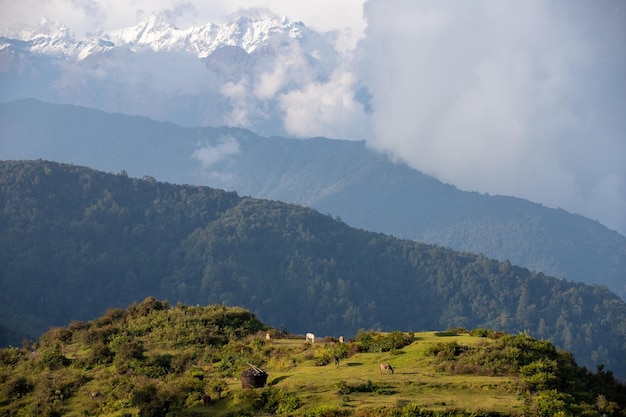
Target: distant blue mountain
342 178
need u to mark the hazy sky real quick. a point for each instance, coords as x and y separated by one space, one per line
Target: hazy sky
522 98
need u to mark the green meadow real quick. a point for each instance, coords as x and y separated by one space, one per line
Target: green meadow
356 385
153 360
415 381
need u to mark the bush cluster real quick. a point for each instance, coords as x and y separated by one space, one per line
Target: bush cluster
367 341
140 369
344 388
269 400
552 383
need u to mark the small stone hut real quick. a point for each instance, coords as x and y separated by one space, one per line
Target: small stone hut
253 377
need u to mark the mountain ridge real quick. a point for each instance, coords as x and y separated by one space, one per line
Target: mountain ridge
236 73
343 178
274 78
79 241
158 34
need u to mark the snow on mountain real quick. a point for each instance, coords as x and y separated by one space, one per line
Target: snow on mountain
269 74
54 39
159 35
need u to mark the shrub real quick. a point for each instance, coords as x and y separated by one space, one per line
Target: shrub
540 375
457 330
10 356
54 360
153 401
378 342
326 354
76 326
147 306
548 403
112 315
17 387
270 400
55 336
130 349
480 332
343 388
99 334
341 350
325 359
183 361
287 402
447 350
145 397
100 354
155 367
219 387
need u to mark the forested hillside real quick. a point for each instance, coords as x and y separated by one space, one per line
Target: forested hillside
342 178
75 242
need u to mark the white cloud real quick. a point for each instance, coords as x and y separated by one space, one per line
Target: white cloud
310 104
523 98
325 109
240 105
287 68
505 98
209 155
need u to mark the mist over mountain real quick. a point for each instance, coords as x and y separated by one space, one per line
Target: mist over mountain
342 178
522 100
77 242
239 73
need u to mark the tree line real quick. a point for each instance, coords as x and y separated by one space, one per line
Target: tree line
76 242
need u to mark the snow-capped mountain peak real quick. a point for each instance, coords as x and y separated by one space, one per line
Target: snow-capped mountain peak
158 34
53 38
151 31
235 73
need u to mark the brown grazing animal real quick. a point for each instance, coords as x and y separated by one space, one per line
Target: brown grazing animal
385 367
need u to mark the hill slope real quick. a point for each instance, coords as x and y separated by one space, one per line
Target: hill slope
77 241
338 177
153 359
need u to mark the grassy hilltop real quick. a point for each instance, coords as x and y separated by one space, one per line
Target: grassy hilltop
152 359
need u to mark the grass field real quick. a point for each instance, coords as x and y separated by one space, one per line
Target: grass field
436 374
415 382
155 361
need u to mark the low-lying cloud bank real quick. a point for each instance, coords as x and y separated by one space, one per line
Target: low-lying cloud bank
524 99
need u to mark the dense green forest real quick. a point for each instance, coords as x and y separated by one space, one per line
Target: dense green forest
75 242
152 359
344 178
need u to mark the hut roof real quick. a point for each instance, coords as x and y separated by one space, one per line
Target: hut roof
253 377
